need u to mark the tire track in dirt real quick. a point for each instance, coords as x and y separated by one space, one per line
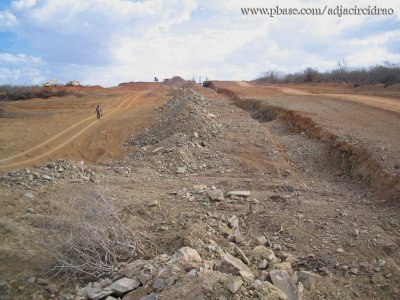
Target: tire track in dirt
384 103
124 104
389 104
65 131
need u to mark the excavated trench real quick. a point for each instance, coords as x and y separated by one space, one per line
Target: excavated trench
357 163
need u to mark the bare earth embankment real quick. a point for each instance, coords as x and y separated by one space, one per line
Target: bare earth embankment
251 193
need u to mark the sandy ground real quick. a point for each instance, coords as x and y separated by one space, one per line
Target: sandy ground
38 130
307 204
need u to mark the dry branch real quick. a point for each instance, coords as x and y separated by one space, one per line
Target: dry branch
88 239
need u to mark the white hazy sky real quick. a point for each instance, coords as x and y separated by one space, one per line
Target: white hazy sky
111 41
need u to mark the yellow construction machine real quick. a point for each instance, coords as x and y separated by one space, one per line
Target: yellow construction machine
50 83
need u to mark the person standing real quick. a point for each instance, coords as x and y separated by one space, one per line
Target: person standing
98 111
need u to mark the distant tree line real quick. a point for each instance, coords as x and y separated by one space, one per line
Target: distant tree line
387 74
13 92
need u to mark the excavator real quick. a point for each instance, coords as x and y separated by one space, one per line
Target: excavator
53 82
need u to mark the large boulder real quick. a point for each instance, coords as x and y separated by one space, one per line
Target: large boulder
187 254
282 280
124 285
235 266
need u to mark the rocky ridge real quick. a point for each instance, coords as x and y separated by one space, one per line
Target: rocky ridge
180 139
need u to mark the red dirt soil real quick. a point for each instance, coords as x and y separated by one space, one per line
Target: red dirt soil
40 130
362 130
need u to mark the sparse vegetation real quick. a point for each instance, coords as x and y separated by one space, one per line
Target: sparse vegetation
11 92
386 74
88 239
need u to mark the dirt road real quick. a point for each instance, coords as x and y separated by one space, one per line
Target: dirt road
73 135
246 89
386 103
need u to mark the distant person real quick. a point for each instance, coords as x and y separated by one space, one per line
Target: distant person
98 112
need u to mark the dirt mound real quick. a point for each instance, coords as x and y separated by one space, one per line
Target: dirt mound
184 114
175 81
179 140
136 86
126 83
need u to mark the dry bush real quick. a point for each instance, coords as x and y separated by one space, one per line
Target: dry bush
88 239
11 93
272 77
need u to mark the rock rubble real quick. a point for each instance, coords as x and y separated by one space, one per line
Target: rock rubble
179 142
50 173
213 270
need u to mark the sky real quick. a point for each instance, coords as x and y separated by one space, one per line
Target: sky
107 42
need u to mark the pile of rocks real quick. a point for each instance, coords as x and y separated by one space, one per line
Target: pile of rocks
179 142
51 172
183 114
214 194
231 276
208 270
